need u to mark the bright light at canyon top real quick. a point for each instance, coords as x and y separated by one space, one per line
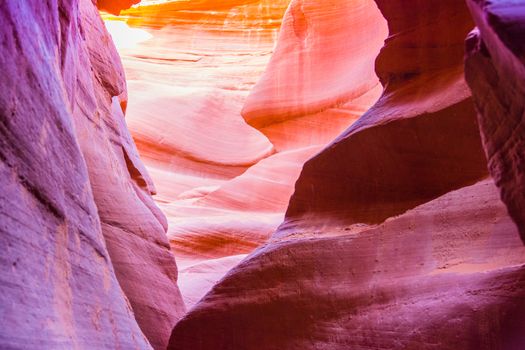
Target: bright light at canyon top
124 36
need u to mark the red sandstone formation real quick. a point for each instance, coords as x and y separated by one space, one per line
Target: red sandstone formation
446 275
495 71
395 236
419 141
223 185
321 76
219 180
72 175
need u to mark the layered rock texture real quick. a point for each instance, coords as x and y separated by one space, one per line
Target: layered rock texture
395 237
188 79
446 275
224 173
419 141
495 71
318 171
86 261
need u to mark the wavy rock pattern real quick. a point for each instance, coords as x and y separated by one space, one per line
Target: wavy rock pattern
419 141
446 275
224 184
394 237
321 76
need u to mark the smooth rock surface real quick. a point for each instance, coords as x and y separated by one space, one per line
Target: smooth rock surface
495 71
446 275
419 141
321 76
223 184
394 237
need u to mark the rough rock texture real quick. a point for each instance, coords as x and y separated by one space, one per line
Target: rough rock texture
449 274
58 288
71 173
419 141
495 71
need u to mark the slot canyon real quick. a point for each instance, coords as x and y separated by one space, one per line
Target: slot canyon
262 174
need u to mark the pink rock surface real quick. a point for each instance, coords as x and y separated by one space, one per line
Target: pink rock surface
495 71
321 76
66 58
221 182
419 141
389 241
58 286
188 83
445 275
134 228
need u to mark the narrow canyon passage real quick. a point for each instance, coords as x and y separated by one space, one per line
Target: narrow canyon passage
262 174
225 106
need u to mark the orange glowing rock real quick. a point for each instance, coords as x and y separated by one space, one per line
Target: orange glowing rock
188 77
223 184
321 76
115 6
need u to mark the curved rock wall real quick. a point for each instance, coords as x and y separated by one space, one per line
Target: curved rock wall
321 76
419 141
76 191
394 237
495 71
445 275
223 185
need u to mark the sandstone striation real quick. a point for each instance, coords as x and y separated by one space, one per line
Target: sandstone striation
419 141
69 160
395 236
223 184
220 181
446 275
321 76
495 71
58 287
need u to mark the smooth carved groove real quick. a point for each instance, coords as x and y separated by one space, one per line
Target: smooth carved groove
382 171
300 24
419 141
